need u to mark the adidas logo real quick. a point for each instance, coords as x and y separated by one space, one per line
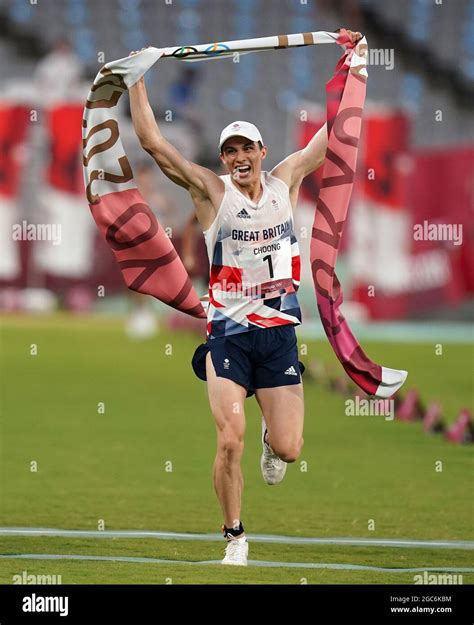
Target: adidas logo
243 214
291 371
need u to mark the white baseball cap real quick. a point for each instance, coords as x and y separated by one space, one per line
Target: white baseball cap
240 129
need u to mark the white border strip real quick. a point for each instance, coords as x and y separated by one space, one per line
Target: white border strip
256 563
262 538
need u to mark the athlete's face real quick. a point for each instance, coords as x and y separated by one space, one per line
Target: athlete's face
243 160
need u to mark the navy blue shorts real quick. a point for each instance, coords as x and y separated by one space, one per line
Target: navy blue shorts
263 358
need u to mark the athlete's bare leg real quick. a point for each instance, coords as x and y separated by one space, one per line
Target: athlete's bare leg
283 410
227 404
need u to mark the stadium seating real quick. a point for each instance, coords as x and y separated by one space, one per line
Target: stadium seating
230 90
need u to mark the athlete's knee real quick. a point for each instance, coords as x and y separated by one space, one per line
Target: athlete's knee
290 451
230 444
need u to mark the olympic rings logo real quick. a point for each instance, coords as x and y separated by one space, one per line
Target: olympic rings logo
213 49
216 48
184 52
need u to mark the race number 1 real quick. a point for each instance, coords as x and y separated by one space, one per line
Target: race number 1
270 266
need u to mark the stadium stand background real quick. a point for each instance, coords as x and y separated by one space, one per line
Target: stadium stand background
263 85
433 68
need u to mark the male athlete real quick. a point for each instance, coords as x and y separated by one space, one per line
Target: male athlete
251 346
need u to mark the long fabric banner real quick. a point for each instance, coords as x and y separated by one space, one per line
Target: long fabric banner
345 95
146 256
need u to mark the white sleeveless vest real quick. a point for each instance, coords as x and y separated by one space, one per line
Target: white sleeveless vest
254 260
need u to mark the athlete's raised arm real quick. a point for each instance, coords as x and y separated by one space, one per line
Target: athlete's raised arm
302 163
205 187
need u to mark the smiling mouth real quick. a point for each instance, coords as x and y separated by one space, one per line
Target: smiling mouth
241 171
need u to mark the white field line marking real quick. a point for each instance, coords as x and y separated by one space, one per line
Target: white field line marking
257 563
262 538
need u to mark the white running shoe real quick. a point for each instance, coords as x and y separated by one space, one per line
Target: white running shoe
236 552
273 468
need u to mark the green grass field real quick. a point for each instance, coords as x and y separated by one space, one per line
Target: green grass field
112 467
